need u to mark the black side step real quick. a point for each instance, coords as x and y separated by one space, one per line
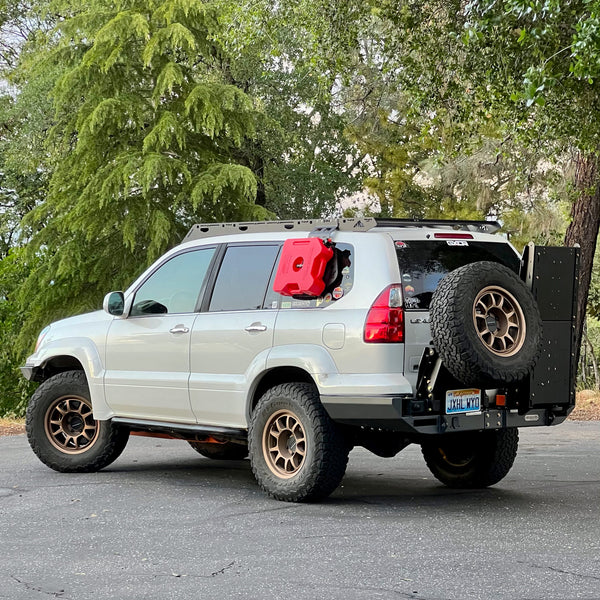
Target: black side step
183 431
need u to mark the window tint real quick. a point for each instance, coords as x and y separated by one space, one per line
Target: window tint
243 277
175 286
423 264
339 277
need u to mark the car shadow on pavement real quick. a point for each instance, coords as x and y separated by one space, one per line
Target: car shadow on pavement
390 489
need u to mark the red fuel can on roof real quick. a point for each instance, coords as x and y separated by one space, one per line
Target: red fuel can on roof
301 267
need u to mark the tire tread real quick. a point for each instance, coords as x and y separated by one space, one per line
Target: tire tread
330 448
104 452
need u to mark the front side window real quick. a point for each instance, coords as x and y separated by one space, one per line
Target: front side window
175 286
243 277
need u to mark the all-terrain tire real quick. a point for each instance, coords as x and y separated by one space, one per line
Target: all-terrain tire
224 451
472 459
62 431
297 452
485 325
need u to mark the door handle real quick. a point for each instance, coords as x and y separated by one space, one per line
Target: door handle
256 327
179 329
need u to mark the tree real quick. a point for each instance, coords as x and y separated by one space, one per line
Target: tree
142 146
528 68
302 159
549 51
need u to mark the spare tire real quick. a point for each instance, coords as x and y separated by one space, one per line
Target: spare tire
485 325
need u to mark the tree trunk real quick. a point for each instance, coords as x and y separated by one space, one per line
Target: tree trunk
594 361
583 230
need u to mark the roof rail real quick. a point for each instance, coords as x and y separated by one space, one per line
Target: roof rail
474 226
204 230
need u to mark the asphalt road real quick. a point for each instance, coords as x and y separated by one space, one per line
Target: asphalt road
163 522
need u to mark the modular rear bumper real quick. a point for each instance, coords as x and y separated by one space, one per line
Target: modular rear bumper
389 413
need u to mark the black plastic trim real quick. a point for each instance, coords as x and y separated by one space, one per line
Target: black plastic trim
230 433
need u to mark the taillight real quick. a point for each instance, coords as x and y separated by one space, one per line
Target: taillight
385 320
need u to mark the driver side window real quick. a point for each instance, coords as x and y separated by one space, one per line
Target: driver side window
175 286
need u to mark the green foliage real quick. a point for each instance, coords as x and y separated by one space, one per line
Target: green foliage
300 156
550 53
15 389
143 145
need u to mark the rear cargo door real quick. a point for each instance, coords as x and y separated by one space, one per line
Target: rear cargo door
423 263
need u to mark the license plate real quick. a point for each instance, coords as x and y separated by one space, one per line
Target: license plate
462 401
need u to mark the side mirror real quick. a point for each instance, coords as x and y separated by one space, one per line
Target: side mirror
114 303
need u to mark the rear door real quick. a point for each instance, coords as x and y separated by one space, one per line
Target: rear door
233 335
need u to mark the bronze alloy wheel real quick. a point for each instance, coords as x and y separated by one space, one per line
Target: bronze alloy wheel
499 321
284 444
70 426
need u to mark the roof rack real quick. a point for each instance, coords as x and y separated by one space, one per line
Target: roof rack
474 226
205 230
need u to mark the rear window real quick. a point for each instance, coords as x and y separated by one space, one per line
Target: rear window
424 263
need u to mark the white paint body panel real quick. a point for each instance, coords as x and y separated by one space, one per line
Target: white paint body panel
147 368
225 360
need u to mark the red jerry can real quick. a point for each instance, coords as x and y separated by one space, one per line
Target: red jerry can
301 267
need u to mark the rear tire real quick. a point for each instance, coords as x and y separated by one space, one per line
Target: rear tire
472 460
224 451
297 452
62 431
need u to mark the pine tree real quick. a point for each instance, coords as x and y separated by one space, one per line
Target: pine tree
142 143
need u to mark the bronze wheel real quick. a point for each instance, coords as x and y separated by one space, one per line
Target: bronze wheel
284 444
297 452
62 431
499 321
70 426
457 458
485 325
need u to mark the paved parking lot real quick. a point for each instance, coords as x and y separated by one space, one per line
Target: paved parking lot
163 522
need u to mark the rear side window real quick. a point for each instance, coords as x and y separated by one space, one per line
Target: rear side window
243 277
339 278
423 264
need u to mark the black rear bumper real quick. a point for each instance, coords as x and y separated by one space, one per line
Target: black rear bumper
388 413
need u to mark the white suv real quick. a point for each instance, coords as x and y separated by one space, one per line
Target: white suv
421 332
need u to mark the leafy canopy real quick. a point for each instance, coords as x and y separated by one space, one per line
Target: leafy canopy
143 144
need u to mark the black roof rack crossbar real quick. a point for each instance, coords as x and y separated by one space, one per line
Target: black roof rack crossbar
474 226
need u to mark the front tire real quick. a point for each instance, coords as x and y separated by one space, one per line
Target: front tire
296 451
472 460
62 431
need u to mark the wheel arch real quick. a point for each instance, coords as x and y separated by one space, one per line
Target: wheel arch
57 364
74 354
276 376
